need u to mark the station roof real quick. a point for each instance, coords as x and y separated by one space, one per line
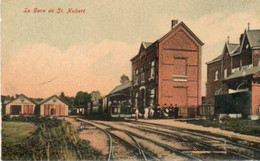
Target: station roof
121 87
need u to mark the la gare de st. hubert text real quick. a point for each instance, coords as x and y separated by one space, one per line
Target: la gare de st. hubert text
57 11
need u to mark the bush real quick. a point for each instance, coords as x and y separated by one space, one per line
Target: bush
53 140
5 117
242 126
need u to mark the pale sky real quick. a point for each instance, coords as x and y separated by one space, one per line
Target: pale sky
47 53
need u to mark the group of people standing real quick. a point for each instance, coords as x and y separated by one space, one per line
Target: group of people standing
158 112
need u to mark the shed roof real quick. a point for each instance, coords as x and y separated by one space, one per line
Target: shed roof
49 98
19 96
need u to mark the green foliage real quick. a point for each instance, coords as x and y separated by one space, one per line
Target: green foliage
13 131
67 99
7 98
95 95
52 140
242 126
124 79
81 99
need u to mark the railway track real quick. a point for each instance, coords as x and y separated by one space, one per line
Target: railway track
165 146
146 155
201 141
110 150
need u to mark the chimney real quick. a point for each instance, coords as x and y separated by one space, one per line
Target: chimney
228 39
174 23
248 25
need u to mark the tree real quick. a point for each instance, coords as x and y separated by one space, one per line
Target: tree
62 96
67 99
82 99
95 95
124 79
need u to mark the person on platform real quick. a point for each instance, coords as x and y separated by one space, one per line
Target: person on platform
165 111
176 111
158 111
151 111
146 112
171 113
136 113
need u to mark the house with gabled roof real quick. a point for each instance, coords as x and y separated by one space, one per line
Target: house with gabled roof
168 70
52 105
21 105
236 70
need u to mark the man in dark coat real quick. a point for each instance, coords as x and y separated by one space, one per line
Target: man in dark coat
171 113
157 111
176 111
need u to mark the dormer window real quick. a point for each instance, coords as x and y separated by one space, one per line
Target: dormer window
216 75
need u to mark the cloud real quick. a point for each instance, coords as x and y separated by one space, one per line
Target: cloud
89 66
85 67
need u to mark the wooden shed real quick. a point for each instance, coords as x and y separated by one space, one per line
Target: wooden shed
21 105
53 106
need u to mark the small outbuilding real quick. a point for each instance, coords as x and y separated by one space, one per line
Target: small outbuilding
21 105
53 106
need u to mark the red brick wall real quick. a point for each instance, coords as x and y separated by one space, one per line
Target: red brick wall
59 109
255 97
180 54
28 109
246 54
235 61
226 63
143 60
212 86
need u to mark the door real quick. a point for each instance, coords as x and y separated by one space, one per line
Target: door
142 100
191 112
46 110
16 109
53 112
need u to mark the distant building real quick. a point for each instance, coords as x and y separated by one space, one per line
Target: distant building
168 70
52 106
21 105
237 70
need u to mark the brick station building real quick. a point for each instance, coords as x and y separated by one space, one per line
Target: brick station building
169 70
237 70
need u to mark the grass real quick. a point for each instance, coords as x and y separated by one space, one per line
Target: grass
36 138
13 132
242 126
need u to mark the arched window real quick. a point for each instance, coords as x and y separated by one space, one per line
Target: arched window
216 75
225 73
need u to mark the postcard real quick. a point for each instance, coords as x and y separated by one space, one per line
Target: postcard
130 80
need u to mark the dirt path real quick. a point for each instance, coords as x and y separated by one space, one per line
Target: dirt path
212 130
98 140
